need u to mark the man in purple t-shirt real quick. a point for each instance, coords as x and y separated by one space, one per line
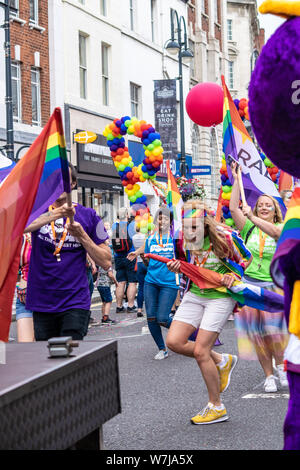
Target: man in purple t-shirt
57 290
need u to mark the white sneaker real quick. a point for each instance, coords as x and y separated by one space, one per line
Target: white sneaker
145 330
270 384
161 355
282 376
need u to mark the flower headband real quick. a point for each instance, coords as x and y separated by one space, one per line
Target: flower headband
192 213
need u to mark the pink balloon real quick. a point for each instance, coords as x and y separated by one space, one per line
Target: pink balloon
204 104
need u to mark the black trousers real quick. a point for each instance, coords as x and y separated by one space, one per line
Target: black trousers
73 322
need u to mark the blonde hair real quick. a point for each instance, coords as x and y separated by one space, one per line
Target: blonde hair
277 215
214 230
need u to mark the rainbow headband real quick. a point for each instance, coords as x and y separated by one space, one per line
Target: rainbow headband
193 213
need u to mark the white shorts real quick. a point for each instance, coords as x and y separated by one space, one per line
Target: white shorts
207 314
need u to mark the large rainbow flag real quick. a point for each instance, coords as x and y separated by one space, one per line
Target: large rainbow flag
174 199
6 165
238 144
37 180
243 293
285 269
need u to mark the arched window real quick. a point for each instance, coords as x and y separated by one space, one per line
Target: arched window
196 144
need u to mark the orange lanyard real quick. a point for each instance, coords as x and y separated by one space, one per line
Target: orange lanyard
262 242
58 246
204 259
160 242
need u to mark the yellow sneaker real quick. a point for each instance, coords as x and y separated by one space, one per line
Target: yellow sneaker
209 415
226 371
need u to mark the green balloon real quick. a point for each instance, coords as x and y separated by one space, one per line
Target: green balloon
157 143
150 147
267 162
132 198
127 123
229 222
131 164
226 189
139 194
110 137
121 167
145 175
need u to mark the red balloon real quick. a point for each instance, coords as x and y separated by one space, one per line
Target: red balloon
204 104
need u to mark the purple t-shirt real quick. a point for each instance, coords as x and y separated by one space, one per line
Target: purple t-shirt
58 286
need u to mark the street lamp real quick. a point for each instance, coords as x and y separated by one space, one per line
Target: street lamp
9 103
179 47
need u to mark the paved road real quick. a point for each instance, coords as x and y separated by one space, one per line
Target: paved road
159 397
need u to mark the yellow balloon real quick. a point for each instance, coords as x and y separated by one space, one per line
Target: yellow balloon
147 153
136 187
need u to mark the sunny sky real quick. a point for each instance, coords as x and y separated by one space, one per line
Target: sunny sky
269 22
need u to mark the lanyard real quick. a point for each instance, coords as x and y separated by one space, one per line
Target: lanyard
204 259
58 246
160 242
262 242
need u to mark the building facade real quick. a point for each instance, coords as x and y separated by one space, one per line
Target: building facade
29 70
104 58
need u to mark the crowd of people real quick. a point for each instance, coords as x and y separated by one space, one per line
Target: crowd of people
69 251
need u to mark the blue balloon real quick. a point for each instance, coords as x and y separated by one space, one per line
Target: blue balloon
152 137
144 169
125 118
146 142
110 143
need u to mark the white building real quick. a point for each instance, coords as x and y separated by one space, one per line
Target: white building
104 58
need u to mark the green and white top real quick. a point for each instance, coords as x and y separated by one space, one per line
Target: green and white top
213 264
262 247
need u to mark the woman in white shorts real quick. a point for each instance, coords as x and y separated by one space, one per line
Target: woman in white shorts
212 246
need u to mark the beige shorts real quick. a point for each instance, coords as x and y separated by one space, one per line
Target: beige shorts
207 314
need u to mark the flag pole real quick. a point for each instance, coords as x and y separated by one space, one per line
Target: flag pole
241 186
70 204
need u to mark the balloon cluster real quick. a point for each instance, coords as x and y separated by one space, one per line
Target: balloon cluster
243 108
143 220
226 193
130 174
273 171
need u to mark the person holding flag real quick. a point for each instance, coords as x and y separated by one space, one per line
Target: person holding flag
261 334
209 245
58 290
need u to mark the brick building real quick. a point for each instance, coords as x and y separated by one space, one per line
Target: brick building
30 71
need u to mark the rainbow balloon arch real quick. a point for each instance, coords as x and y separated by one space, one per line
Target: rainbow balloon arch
130 174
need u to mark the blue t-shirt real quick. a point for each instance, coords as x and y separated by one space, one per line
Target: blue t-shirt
158 272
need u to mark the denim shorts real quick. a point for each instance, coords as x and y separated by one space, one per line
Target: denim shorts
22 311
125 269
105 294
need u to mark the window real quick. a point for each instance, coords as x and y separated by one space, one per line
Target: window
103 7
34 11
203 6
216 12
132 14
231 75
16 91
14 4
82 66
192 63
213 159
229 30
105 75
153 6
36 96
135 99
196 145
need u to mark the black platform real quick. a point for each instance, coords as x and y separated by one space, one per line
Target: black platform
57 403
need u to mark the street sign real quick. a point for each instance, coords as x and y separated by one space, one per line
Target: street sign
85 137
201 170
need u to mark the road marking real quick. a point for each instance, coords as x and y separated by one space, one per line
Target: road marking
266 395
121 337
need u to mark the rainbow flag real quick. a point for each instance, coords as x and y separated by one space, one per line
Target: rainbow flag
243 293
284 267
6 165
238 144
37 180
174 199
